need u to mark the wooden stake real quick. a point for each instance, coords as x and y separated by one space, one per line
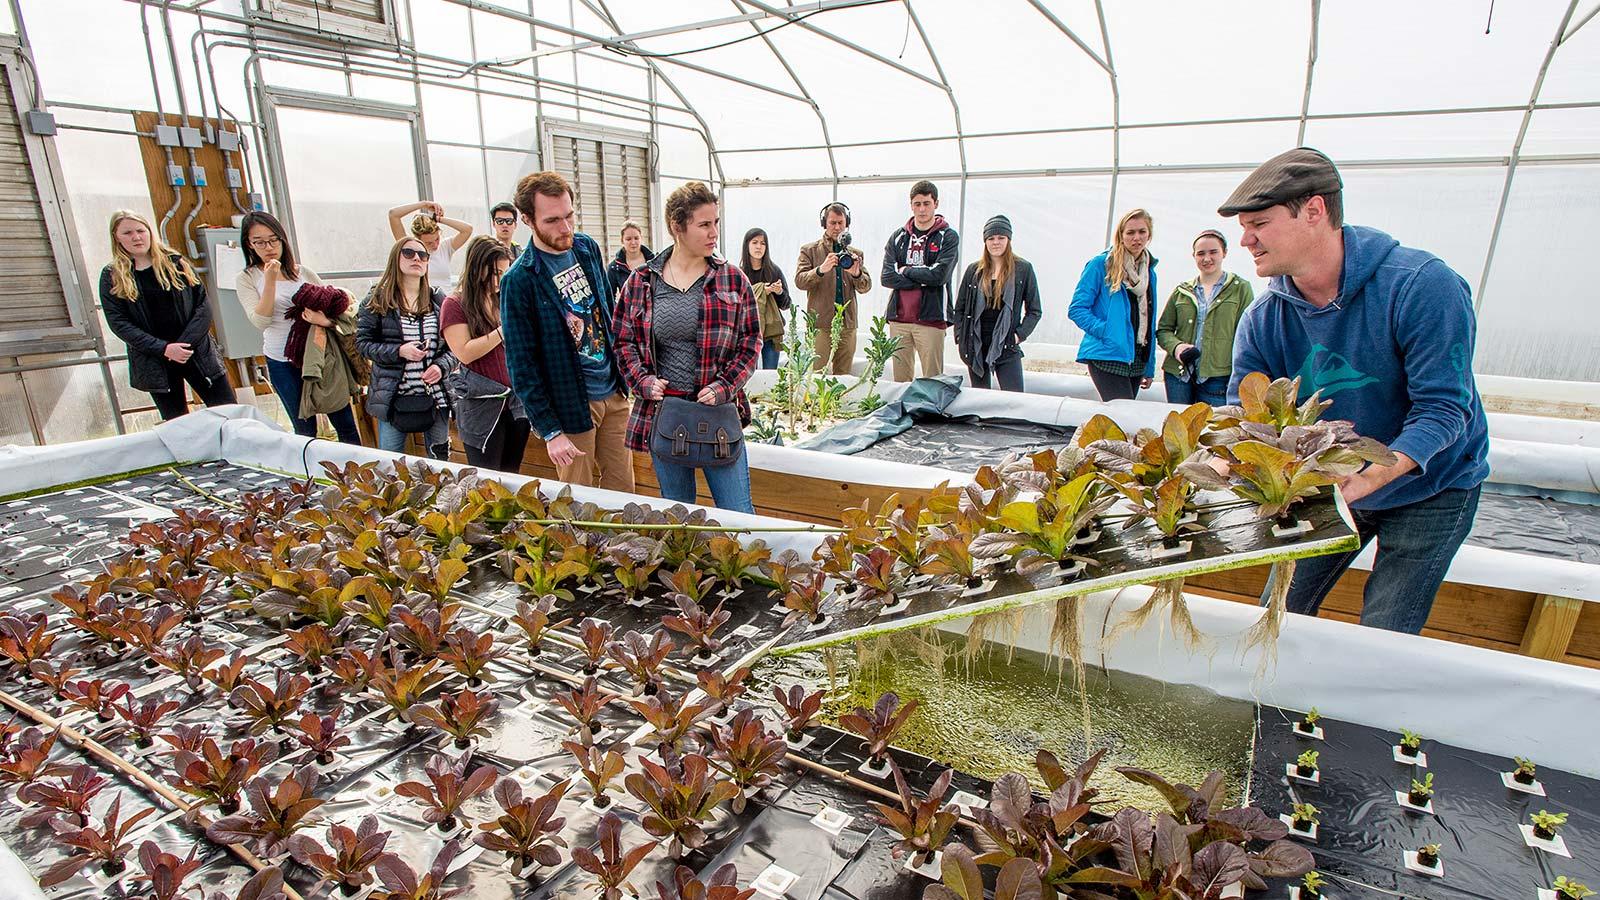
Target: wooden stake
100 752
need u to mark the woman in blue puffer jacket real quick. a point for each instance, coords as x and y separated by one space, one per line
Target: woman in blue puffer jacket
1114 304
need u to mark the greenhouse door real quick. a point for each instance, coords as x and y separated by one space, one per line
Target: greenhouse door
339 167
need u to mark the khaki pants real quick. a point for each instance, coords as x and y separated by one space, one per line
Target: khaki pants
843 356
606 461
925 341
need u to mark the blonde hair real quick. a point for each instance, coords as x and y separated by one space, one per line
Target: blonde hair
387 295
424 224
993 274
172 274
631 224
1117 262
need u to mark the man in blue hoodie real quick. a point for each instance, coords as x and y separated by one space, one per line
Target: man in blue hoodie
1386 332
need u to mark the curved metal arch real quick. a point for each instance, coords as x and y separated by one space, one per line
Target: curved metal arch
1516 149
822 120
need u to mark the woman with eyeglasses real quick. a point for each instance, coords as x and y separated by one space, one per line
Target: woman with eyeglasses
156 303
397 329
266 288
425 228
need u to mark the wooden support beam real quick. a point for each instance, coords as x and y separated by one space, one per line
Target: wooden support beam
1551 626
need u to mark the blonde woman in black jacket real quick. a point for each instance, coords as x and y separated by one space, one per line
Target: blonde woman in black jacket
997 307
156 303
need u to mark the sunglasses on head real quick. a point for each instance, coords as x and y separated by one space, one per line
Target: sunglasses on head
414 253
499 221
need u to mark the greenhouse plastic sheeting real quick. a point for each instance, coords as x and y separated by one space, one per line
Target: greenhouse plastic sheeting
963 445
1539 526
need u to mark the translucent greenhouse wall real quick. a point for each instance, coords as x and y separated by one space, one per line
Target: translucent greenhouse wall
1473 137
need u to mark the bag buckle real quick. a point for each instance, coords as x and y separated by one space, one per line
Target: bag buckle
680 442
722 451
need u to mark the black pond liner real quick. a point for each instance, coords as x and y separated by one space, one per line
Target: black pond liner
964 444
1363 830
1539 526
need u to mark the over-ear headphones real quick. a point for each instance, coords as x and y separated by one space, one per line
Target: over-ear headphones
822 215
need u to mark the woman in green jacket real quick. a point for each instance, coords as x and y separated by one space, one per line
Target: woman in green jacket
1197 326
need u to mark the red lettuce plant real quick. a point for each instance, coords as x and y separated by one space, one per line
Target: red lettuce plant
271 707
276 813
698 626
612 864
422 633
584 704
642 657
401 687
66 801
349 858
25 757
747 753
598 767
145 717
536 620
879 724
321 735
722 689
164 872
527 830
470 653
800 709
354 669
922 823
106 844
314 644
722 885
190 658
595 637
732 562
463 715
447 789
25 638
670 718
679 799
218 778
96 696
227 676
401 883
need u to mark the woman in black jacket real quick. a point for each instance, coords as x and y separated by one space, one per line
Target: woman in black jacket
397 328
632 255
156 303
996 309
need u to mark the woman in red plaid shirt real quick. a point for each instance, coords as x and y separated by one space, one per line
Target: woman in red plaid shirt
687 326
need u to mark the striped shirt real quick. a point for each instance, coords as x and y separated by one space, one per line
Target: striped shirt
424 330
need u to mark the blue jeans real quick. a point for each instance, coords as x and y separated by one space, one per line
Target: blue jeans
769 353
1415 545
436 438
286 384
730 484
1210 391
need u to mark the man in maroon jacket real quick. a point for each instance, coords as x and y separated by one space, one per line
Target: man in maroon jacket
918 263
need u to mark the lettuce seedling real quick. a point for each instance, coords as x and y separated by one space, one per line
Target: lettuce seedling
612 864
25 637
314 644
187 738
722 885
584 704
686 581
679 799
951 554
879 724
536 620
463 715
401 687
803 598
190 658
598 767
271 707
218 778
922 823
800 709
747 753
145 716
106 844
698 625
347 861
1018 879
51 677
527 830
188 595
1567 889
670 719
66 801
877 575
543 578
722 689
401 883
1545 824
1041 532
165 872
148 629
95 695
447 789
227 676
642 657
277 811
731 562
470 653
634 565
594 637
321 735
422 633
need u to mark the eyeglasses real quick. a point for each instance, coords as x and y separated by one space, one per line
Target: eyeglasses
499 221
264 243
414 253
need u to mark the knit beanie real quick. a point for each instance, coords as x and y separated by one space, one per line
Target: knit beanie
997 225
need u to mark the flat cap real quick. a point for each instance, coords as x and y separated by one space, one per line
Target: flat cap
1295 173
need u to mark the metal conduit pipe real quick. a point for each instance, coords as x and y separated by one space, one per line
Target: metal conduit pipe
199 86
194 158
161 113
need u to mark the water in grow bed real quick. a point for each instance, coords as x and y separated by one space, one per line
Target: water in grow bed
991 714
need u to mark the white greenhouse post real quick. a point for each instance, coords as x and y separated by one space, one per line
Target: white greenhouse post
1311 66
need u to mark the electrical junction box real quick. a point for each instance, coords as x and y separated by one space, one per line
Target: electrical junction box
227 141
235 180
257 201
40 122
199 175
167 136
190 137
175 176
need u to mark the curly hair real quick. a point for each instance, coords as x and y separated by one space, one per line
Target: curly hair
682 203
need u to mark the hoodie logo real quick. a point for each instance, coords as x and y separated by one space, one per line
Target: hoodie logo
1329 372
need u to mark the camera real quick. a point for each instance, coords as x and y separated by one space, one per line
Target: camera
841 250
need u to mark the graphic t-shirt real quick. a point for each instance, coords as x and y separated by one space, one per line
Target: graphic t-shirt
583 322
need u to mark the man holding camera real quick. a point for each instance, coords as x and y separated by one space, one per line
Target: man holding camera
832 273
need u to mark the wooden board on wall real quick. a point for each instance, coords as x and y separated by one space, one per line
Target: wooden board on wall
218 208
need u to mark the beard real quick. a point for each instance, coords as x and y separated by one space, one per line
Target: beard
557 242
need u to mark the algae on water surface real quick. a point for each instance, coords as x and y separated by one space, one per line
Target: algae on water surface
990 713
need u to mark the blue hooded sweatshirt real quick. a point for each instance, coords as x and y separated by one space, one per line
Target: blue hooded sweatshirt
1393 353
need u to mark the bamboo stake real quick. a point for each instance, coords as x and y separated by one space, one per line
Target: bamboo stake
99 751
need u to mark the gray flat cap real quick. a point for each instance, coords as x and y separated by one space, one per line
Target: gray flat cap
1292 174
